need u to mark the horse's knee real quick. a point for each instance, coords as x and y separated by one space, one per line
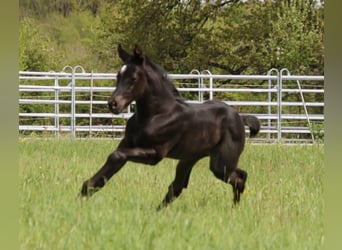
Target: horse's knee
116 156
155 160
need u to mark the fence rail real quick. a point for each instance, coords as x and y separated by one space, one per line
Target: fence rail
291 108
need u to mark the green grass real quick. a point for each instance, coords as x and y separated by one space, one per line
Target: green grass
282 207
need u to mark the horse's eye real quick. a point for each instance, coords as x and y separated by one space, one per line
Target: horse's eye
134 79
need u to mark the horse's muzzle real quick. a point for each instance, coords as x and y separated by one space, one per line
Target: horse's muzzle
113 107
117 103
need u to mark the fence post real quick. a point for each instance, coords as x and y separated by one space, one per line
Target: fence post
269 108
73 100
279 105
91 104
56 106
71 104
199 82
210 84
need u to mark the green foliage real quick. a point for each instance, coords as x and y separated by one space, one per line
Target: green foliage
318 131
36 49
296 38
73 36
43 8
281 208
231 37
261 35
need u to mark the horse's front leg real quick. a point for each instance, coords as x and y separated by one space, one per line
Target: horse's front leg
114 163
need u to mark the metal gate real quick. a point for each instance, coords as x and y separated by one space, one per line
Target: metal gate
74 103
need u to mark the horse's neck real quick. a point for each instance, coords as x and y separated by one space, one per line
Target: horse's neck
156 100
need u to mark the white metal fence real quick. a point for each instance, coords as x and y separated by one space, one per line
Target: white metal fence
74 102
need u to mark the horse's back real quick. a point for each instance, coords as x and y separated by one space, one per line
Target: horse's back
219 111
205 125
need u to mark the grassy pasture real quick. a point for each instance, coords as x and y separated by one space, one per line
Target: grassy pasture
282 207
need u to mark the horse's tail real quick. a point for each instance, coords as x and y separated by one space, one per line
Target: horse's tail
253 123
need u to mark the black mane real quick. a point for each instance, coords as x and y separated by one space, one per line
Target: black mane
164 78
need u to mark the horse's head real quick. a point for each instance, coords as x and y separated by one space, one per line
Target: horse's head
131 80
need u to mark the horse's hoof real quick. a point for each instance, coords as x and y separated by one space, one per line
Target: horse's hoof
81 197
161 206
87 190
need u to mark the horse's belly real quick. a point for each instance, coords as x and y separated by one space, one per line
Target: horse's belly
192 145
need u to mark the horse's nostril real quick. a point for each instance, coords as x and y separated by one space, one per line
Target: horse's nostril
113 106
112 103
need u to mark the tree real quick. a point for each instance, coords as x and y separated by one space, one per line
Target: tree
230 37
42 8
261 35
296 38
36 51
166 29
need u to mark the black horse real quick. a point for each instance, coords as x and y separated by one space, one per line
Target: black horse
164 125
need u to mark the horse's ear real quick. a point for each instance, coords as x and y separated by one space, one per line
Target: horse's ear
138 54
122 53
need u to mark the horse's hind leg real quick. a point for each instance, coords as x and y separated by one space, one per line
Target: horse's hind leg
181 181
223 163
238 181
